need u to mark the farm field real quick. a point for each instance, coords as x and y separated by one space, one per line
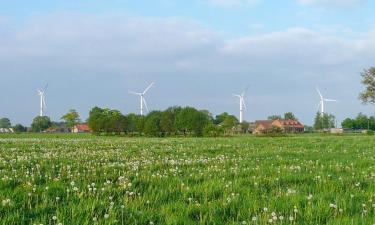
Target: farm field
67 179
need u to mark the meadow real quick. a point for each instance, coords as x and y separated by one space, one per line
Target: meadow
69 179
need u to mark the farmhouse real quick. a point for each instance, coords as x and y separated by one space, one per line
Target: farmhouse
81 128
287 126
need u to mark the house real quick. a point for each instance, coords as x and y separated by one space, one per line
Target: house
262 126
81 128
287 126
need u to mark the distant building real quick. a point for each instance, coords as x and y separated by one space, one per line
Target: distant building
336 131
6 130
287 126
81 128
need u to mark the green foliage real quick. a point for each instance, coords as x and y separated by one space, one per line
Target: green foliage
370 132
190 121
107 121
41 123
325 121
152 125
289 116
18 128
71 118
212 130
5 123
361 122
368 81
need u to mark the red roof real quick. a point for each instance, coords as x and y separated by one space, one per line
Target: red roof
82 127
292 123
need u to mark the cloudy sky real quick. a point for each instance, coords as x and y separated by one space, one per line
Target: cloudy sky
198 52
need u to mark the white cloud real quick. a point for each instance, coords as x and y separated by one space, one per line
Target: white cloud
332 3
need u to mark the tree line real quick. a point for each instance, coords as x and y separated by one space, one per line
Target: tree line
174 121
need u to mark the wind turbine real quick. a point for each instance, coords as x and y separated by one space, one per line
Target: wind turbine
323 100
41 93
142 95
243 106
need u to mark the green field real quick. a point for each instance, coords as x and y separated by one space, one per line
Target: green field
65 179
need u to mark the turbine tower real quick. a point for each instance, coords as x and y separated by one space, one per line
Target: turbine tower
41 93
143 99
322 101
242 104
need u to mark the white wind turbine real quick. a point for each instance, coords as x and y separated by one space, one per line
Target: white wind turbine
142 95
243 106
323 100
41 93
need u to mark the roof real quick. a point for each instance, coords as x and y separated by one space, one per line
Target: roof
82 127
291 123
265 123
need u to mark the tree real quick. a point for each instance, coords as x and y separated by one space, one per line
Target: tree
18 128
368 80
361 122
289 116
274 117
71 118
5 123
226 121
348 124
41 123
324 121
107 121
167 120
152 124
190 121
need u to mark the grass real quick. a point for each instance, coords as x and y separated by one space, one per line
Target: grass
70 179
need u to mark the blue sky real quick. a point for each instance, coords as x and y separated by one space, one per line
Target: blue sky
198 52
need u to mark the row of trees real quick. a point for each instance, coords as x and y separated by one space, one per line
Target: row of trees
185 121
361 122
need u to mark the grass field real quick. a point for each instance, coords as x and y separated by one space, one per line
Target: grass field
245 180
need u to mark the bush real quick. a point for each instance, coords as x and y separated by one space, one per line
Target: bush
370 132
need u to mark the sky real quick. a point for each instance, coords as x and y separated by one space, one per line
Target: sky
198 53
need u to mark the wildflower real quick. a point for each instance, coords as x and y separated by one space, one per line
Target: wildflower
106 216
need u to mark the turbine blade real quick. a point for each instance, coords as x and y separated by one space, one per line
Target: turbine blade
330 100
320 94
44 102
245 90
244 104
45 88
238 96
134 93
148 88
144 101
